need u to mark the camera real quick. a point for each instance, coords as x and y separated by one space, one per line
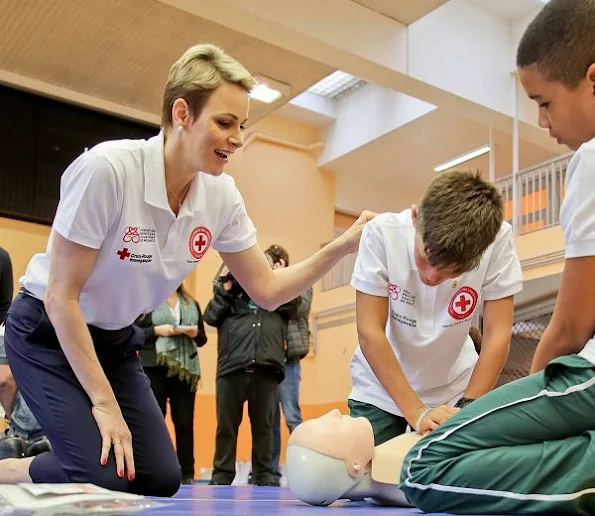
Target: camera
278 255
223 275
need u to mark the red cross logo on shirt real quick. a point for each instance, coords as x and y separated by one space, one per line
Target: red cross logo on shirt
199 242
123 253
463 303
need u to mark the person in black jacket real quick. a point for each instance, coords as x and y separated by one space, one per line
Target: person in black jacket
250 365
169 356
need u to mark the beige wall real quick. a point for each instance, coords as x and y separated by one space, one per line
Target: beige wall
538 243
549 241
287 129
22 240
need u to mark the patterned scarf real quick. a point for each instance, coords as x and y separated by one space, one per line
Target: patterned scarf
178 352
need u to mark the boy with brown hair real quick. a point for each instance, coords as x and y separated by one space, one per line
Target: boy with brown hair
527 447
420 275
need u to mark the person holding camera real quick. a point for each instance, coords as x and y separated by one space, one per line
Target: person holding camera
250 365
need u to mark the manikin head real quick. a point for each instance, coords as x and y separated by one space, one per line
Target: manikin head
327 456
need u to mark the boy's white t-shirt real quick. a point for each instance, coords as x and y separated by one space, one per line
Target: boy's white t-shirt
577 215
428 327
113 198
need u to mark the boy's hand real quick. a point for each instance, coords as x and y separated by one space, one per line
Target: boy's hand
435 417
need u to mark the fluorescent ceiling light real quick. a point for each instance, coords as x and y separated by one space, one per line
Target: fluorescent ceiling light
545 1
265 94
336 85
462 158
269 90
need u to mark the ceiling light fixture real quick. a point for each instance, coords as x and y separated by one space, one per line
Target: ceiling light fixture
269 90
462 158
336 85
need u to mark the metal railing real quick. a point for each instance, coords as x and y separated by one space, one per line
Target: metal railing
540 191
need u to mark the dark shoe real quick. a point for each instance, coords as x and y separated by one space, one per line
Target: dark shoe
37 446
187 481
12 447
272 483
216 483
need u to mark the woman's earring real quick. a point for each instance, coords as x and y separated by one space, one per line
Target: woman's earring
179 129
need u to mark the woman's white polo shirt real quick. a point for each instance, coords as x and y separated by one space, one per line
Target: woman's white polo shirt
113 198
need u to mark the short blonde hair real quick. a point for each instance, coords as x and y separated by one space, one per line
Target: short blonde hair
196 74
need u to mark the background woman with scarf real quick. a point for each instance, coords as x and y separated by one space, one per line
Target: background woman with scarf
173 332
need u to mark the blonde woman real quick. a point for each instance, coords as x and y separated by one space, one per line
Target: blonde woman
134 218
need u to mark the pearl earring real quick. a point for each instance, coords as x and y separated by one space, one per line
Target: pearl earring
356 466
179 129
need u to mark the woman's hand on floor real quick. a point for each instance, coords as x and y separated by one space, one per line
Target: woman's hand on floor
114 432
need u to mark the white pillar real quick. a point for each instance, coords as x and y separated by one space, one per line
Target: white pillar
515 156
492 158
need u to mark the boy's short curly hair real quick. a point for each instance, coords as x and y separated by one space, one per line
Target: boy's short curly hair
560 41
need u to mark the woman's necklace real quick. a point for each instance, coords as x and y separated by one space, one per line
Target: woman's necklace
180 199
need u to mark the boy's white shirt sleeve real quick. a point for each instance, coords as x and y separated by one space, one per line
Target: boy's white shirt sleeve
504 276
370 274
577 215
239 232
90 201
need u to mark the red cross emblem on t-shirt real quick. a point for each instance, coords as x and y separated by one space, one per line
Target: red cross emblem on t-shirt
199 242
463 303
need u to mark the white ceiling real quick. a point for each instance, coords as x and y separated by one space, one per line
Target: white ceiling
304 115
409 11
404 11
509 9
